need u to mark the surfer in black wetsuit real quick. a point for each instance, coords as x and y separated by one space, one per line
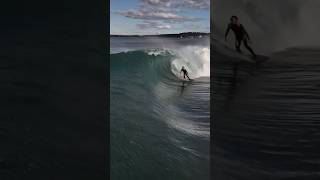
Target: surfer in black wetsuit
185 73
240 33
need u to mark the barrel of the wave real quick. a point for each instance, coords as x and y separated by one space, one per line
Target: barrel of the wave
195 59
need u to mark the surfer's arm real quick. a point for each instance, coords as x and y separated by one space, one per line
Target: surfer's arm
246 33
248 36
227 32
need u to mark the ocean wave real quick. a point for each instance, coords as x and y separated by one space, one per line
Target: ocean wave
156 72
196 59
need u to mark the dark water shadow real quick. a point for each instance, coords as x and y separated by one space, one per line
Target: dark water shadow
271 128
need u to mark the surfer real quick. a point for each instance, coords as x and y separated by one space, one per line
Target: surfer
185 73
240 33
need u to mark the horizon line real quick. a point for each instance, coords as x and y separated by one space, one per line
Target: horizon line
156 34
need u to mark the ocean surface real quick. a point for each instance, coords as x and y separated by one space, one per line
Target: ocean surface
266 121
159 124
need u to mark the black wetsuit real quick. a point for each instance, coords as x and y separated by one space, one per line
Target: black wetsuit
185 73
241 35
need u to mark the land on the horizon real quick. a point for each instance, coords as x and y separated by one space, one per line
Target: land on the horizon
178 35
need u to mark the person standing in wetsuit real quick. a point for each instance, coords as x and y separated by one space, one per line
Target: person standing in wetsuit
185 73
240 33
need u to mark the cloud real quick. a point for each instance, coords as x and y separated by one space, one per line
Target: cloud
153 25
144 14
194 4
165 14
166 10
150 14
165 3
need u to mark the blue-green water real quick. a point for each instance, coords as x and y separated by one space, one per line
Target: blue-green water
159 124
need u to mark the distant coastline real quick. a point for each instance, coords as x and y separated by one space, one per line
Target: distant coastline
179 35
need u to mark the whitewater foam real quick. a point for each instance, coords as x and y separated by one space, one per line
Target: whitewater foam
196 59
159 52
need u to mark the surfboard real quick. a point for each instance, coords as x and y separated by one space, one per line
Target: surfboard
185 80
260 59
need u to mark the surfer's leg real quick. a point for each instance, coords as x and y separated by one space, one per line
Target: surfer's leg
238 44
249 48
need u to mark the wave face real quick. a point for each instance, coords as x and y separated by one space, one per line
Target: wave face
266 117
159 124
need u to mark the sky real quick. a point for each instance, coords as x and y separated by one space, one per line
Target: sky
141 17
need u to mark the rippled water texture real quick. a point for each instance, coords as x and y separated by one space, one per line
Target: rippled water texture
160 125
266 117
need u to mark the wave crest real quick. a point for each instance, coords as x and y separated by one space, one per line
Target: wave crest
196 59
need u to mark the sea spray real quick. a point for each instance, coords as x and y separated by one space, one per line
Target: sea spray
196 59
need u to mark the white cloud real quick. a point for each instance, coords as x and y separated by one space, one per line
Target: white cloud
149 14
163 14
194 4
153 25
